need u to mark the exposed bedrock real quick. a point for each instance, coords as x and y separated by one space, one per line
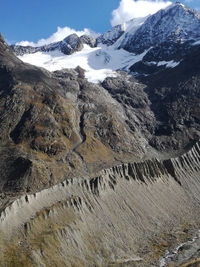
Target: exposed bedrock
107 218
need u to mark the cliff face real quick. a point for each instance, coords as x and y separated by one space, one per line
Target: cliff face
61 200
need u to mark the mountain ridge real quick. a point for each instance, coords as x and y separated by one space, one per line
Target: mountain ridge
162 39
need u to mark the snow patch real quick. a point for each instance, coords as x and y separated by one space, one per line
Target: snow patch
196 43
167 64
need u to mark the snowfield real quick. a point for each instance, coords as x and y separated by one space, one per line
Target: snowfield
99 62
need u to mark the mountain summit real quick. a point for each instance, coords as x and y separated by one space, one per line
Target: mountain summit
176 23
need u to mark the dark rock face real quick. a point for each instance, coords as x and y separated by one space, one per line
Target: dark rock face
89 40
19 171
168 50
174 94
71 44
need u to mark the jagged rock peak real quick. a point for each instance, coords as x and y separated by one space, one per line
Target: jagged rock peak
89 40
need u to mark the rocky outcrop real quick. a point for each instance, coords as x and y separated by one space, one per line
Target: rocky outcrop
89 40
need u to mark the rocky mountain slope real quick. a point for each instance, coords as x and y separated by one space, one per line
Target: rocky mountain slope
98 174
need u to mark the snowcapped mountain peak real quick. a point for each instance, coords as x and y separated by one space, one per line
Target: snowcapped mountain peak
175 23
177 9
179 5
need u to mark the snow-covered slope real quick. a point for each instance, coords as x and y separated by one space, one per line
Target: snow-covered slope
99 62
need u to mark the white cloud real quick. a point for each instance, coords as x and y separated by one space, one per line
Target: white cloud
59 35
129 9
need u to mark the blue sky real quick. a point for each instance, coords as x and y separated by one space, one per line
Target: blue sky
35 19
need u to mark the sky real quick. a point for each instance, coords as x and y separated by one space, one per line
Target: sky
44 21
